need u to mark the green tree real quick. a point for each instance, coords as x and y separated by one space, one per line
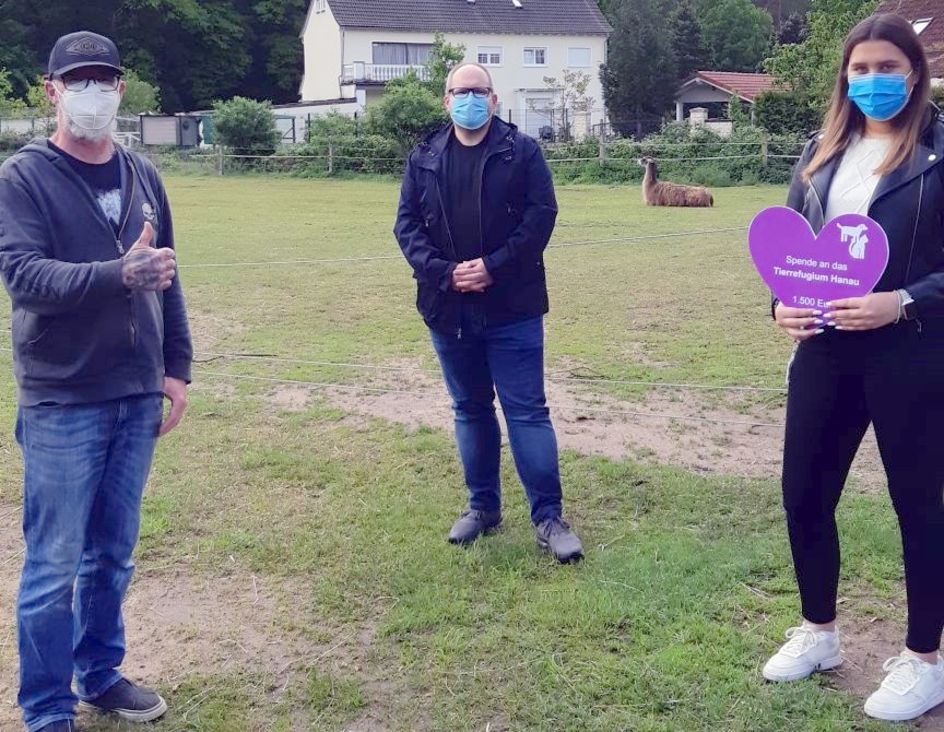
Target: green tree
738 34
245 126
277 54
785 113
10 105
781 10
793 30
687 44
442 57
639 78
140 96
809 68
407 112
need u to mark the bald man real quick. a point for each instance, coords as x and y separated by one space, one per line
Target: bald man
477 210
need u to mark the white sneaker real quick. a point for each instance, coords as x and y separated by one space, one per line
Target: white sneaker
806 650
911 688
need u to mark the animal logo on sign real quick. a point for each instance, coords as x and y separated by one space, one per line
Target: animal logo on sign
803 268
856 238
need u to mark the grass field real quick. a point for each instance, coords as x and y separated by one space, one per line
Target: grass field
293 573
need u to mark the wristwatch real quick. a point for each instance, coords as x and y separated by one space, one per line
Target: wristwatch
908 309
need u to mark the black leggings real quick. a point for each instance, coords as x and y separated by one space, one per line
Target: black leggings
839 382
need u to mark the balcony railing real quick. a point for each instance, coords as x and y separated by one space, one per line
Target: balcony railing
361 72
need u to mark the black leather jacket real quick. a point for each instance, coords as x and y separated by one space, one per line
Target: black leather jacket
908 203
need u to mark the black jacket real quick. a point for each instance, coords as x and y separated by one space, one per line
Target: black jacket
518 210
78 334
908 203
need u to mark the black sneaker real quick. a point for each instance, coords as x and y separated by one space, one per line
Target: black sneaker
129 701
472 524
65 725
555 537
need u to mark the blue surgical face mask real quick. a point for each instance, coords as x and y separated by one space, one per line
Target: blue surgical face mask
470 112
879 96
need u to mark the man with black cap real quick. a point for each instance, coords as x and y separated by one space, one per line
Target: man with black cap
100 338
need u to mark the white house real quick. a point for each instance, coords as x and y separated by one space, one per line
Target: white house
353 47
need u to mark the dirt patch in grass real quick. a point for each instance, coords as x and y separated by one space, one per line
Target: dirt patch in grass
705 434
291 398
867 644
182 625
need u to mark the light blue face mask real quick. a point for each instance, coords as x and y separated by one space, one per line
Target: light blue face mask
470 112
879 96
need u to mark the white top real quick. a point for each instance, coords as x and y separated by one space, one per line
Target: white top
855 180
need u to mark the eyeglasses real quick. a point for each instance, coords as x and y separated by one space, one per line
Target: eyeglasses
108 84
462 92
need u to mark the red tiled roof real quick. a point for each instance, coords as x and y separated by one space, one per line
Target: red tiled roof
746 86
932 37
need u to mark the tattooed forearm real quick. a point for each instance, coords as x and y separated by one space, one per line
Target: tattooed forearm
146 269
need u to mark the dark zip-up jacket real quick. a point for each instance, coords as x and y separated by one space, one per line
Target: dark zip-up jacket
518 210
909 205
79 335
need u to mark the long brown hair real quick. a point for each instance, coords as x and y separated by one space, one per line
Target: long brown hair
844 119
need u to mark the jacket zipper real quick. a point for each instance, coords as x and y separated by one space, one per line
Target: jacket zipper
914 236
133 336
452 244
484 164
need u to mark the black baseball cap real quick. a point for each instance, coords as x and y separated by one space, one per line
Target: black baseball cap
83 48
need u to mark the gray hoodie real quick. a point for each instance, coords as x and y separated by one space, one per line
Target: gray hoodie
79 335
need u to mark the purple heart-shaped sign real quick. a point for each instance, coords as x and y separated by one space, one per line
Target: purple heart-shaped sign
805 270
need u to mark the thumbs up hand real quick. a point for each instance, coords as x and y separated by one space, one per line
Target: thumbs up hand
146 240
147 268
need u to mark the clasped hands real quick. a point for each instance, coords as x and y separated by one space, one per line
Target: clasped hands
471 276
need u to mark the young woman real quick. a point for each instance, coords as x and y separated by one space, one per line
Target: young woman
876 359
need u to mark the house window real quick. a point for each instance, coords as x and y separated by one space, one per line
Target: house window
490 55
579 58
920 25
401 54
321 6
535 57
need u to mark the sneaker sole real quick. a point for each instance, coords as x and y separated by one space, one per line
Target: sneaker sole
569 559
131 715
828 665
904 716
485 532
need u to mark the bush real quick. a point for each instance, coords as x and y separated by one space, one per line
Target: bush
140 96
711 175
351 154
333 124
786 113
407 112
697 157
245 126
10 142
937 95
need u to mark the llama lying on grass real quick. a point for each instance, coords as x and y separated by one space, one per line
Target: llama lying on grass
655 193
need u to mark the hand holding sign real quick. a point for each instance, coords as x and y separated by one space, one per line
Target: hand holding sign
845 260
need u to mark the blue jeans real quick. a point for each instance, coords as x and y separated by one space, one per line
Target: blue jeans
85 470
509 359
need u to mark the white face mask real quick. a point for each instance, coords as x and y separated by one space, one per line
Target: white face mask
91 111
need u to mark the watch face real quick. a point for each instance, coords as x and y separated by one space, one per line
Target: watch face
910 310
